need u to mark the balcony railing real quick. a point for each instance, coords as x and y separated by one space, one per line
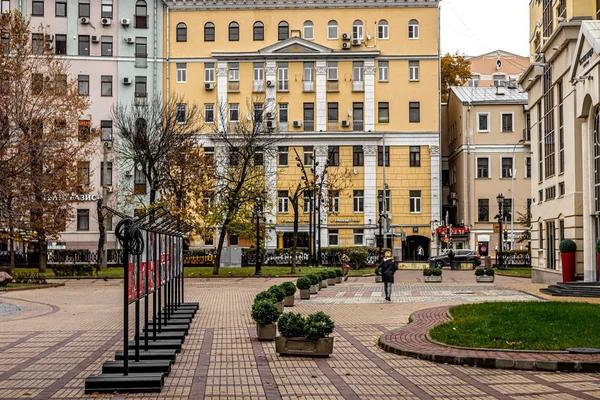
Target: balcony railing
284 127
309 125
333 125
233 86
333 86
309 86
258 86
358 86
358 125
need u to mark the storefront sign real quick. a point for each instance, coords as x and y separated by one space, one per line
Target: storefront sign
586 57
345 221
86 197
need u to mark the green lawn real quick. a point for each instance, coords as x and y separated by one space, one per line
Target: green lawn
515 271
522 326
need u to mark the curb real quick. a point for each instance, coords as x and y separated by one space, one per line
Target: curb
39 287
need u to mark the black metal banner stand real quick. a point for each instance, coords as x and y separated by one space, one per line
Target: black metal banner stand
151 250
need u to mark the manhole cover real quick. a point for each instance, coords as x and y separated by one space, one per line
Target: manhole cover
583 350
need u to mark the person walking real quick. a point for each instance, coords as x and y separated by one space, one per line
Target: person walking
345 265
420 253
387 269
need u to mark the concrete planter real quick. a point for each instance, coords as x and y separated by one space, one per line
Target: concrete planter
320 285
300 346
324 283
331 282
279 305
378 278
266 332
314 289
432 278
305 294
288 301
485 278
338 279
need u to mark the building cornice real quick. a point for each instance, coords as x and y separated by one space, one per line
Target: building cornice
194 5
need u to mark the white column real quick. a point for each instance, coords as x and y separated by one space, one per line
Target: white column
321 95
322 152
271 174
221 113
435 162
271 91
370 172
369 95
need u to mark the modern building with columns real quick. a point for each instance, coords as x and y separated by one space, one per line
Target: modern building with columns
339 81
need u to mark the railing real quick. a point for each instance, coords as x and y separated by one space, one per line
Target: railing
358 125
308 86
333 86
358 86
258 86
233 86
309 125
514 258
284 127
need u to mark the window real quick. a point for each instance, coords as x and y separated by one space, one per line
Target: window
180 116
507 209
483 206
483 170
282 202
334 201
334 236
60 126
109 174
209 32
37 43
357 117
60 44
209 113
37 83
83 130
309 77
413 29
106 85
259 31
234 32
388 201
359 200
474 81
383 112
259 158
234 112
5 44
383 30
181 72
358 237
309 117
507 122
414 111
413 69
139 182
106 46
60 82
282 153
308 156
358 156
381 155
282 77
37 8
551 192
332 71
561 189
383 71
60 8
308 203
483 122
83 81
84 45
357 30
541 235
507 166
308 31
333 155
415 156
234 157
527 167
498 80
415 201
259 77
332 113
332 30
84 8
283 31
5 6
283 113
182 32
83 220
140 87
83 169
258 112
561 128
209 72
561 230
357 76
141 15
106 130
107 9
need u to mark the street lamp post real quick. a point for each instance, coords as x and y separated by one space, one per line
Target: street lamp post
259 212
500 217
381 216
512 194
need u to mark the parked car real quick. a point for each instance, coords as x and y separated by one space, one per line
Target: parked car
459 255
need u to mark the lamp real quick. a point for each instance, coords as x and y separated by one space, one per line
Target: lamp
500 216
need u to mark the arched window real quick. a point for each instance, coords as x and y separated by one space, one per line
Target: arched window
181 32
332 30
209 32
141 14
597 159
413 29
383 30
309 31
357 30
234 32
259 31
283 31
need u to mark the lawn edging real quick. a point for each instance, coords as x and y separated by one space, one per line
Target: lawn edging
32 287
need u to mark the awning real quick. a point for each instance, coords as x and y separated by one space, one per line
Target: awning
483 238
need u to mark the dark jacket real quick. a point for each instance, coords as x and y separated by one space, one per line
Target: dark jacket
387 269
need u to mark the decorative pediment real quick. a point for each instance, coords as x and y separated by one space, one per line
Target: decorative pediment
587 51
295 45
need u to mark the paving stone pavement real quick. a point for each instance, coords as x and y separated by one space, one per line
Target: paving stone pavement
66 333
8 309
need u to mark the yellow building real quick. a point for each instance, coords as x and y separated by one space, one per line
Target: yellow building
337 80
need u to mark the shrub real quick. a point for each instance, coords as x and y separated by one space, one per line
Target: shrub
426 272
265 295
304 283
432 272
568 246
29 277
323 275
265 312
490 272
318 325
276 292
291 324
331 274
288 288
338 272
73 269
358 258
315 278
479 272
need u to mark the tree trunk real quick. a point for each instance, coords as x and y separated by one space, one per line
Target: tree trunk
43 251
102 238
220 246
11 250
295 234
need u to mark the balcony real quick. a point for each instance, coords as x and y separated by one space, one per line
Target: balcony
358 125
309 125
308 86
333 86
358 86
233 86
258 86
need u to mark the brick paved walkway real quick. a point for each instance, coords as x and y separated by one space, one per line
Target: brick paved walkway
66 333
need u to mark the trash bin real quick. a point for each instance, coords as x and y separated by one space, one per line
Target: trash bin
455 265
431 264
488 261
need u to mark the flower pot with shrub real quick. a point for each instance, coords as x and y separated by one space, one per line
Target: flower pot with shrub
290 290
304 284
278 294
432 274
338 275
324 278
331 277
302 337
315 281
265 313
568 253
484 275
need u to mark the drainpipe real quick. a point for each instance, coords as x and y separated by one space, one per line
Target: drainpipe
167 41
155 68
469 172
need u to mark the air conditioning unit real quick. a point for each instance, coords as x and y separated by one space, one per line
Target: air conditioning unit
270 84
109 189
49 45
130 40
209 86
345 46
106 21
346 123
297 124
270 124
84 20
47 79
356 42
345 36
127 81
355 171
108 145
269 115
95 39
48 38
125 21
128 174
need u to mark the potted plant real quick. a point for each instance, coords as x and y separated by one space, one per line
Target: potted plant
568 250
315 281
304 284
378 277
278 294
302 337
289 289
484 275
432 274
265 313
331 275
338 275
265 295
324 277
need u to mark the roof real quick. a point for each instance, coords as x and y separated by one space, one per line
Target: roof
590 31
496 53
487 95
291 4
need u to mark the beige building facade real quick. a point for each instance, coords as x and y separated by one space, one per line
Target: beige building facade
498 66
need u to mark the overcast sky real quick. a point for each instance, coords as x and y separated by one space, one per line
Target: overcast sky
475 27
